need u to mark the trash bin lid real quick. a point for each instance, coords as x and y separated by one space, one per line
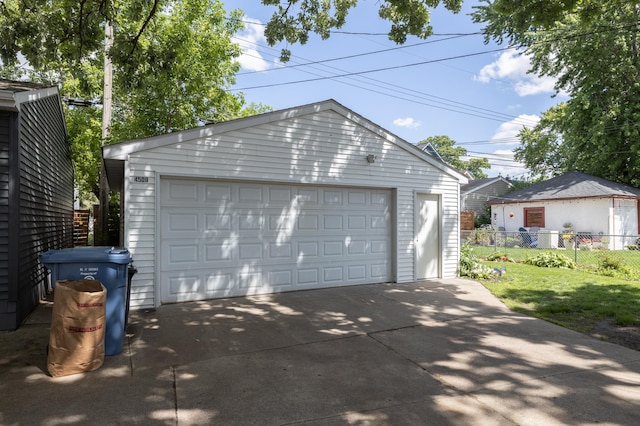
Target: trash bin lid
119 255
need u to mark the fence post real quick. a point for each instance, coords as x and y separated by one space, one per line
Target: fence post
575 250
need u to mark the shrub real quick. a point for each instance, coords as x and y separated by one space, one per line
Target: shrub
481 236
470 266
549 259
499 256
611 266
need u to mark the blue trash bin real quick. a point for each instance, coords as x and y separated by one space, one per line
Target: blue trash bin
110 266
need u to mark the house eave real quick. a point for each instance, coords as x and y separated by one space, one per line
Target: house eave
540 200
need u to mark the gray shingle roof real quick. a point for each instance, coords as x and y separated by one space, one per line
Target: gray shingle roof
570 185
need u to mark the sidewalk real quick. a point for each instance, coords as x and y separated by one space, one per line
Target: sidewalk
436 352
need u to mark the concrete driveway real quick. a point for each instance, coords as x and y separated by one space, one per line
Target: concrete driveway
435 352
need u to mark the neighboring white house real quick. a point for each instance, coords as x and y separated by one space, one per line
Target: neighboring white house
307 197
592 205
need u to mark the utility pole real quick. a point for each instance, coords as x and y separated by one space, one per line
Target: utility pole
107 107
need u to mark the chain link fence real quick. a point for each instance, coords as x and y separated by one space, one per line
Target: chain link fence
586 249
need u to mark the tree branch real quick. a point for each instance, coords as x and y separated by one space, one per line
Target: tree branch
144 25
80 25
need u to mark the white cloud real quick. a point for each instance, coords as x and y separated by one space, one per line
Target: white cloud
513 66
507 133
408 122
249 39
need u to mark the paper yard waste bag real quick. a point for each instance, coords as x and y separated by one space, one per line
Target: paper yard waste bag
78 322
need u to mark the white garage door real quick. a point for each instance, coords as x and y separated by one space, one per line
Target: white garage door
222 239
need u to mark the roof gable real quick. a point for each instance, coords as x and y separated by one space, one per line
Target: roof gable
114 155
570 185
478 184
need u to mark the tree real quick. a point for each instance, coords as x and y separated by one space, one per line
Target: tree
173 63
452 154
293 20
592 49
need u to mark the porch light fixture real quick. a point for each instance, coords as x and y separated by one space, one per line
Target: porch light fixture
371 158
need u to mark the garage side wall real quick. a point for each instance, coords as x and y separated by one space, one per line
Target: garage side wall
324 148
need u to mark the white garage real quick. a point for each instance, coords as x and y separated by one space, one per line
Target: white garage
309 197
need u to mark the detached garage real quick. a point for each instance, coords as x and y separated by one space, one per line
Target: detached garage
308 197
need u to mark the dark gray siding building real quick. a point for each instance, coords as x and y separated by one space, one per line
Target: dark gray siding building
36 193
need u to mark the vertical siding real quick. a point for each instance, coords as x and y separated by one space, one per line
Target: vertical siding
324 148
46 195
5 118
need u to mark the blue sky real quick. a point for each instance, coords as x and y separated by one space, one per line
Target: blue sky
453 84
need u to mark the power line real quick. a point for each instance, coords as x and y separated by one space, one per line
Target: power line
395 67
358 55
449 105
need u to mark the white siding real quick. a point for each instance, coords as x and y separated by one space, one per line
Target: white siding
322 148
588 215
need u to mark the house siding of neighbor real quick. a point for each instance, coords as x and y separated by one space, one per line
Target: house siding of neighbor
592 205
282 201
475 194
36 194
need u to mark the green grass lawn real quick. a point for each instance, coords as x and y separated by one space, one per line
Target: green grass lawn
575 299
586 258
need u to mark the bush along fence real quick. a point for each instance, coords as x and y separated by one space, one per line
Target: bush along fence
614 253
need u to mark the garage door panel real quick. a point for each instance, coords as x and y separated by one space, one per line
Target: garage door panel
183 254
217 221
219 252
233 238
280 251
218 193
251 195
356 197
357 272
182 191
310 197
357 222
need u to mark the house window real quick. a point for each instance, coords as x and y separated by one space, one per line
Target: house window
534 216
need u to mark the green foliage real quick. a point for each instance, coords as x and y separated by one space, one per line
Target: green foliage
549 259
451 154
502 257
84 126
484 218
293 20
481 236
610 265
178 74
592 50
470 265
173 63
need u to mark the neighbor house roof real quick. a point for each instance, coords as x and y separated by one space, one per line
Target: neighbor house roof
478 184
13 93
115 155
570 186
